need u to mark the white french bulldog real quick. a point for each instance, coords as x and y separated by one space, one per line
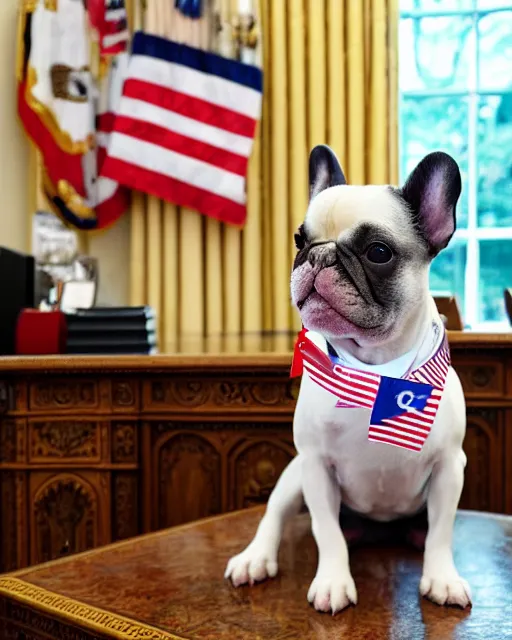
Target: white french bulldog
360 282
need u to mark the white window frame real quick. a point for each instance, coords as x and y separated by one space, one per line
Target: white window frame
472 234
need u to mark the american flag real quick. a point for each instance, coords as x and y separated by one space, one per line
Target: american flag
185 127
109 20
403 409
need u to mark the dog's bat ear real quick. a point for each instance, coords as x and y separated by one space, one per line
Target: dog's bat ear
324 170
432 191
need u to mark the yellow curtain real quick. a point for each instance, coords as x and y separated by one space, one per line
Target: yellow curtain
330 69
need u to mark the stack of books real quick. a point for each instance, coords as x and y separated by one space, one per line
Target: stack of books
112 330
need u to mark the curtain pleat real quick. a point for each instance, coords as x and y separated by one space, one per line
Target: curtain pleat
298 156
330 74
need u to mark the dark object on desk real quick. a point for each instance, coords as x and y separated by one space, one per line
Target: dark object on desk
17 275
169 585
508 303
449 308
112 330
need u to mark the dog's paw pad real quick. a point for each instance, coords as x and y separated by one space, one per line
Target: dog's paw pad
333 594
250 566
452 590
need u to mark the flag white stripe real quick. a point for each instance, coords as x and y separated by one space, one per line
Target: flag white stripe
115 38
424 430
342 384
175 165
348 379
370 377
425 421
435 373
112 15
197 84
102 139
365 403
419 438
146 112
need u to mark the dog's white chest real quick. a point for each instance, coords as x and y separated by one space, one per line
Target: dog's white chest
379 480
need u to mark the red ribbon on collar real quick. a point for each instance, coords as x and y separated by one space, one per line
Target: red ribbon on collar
297 361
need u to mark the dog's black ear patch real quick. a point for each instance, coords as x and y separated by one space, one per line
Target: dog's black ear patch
432 191
324 170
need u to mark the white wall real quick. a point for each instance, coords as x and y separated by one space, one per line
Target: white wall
111 247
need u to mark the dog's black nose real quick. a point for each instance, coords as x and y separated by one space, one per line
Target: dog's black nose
322 255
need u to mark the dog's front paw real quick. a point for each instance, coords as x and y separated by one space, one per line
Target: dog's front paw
255 563
332 590
446 589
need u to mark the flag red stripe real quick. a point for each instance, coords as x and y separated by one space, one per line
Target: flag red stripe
319 360
366 397
420 435
105 122
424 421
190 147
174 191
190 107
402 445
330 385
398 434
343 383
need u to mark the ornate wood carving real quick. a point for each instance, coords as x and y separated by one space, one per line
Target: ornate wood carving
235 394
483 486
65 517
124 442
57 440
124 395
13 505
8 441
37 626
249 428
64 394
12 441
187 466
125 499
482 378
257 467
169 439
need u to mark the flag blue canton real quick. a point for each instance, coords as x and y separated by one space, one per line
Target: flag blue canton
397 396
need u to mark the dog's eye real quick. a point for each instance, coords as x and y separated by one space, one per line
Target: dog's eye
300 238
379 253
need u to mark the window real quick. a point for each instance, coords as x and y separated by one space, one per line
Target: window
456 96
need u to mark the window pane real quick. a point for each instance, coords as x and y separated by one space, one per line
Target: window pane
436 5
491 4
495 277
447 272
494 156
495 51
435 124
434 53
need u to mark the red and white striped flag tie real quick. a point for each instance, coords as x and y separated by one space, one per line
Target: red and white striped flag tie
403 410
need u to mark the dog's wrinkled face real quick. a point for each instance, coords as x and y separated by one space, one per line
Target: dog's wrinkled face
363 252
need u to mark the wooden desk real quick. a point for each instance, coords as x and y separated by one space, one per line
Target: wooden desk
98 449
169 585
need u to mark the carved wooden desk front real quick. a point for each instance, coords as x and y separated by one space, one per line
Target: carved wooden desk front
98 449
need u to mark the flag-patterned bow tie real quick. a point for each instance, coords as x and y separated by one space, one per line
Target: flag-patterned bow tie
403 410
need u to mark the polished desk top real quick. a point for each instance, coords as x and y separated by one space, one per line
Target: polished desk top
169 585
258 351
